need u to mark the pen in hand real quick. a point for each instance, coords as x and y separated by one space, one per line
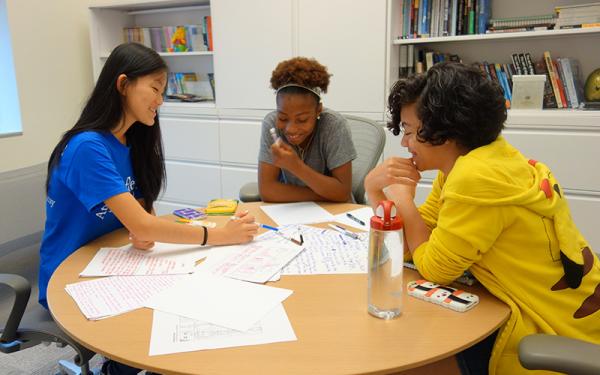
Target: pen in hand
352 217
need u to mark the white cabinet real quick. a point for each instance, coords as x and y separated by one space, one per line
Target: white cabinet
252 37
191 139
348 38
240 141
192 184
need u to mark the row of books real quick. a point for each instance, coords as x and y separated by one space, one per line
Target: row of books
521 23
186 38
582 15
563 87
411 63
190 86
432 18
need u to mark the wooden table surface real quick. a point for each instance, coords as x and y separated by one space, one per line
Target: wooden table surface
329 315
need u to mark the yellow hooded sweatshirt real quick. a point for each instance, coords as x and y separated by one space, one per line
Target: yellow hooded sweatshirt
505 218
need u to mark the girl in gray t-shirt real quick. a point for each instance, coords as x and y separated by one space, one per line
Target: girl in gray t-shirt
308 156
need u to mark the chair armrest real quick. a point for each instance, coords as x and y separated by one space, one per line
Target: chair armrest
22 290
559 353
249 192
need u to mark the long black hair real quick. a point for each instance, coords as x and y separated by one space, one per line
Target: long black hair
104 111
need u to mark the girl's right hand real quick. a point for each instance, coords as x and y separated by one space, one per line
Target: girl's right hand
241 229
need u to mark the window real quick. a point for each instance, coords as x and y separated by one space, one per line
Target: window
10 111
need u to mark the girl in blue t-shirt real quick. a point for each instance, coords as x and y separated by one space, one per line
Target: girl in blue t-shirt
106 172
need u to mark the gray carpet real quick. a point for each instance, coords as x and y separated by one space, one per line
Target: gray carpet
40 359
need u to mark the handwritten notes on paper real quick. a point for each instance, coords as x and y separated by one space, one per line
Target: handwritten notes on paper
175 334
255 262
326 251
110 296
162 259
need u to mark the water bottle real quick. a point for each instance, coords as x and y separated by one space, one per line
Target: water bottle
386 260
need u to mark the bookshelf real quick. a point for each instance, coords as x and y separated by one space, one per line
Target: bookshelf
511 35
108 18
565 139
498 47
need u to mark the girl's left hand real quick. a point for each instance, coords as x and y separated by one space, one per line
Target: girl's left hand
284 156
139 244
401 192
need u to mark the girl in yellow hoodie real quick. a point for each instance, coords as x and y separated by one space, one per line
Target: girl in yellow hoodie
491 210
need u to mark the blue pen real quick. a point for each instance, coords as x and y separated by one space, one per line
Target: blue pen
267 227
350 216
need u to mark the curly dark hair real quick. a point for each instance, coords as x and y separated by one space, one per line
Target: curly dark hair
301 71
454 102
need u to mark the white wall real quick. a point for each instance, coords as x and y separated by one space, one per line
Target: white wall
51 48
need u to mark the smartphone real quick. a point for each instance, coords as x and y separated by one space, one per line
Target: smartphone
189 213
445 296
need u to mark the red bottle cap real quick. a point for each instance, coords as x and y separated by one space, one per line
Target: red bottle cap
386 217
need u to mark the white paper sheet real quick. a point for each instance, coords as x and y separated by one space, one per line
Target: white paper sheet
297 213
175 334
255 262
326 251
364 214
162 259
222 301
109 296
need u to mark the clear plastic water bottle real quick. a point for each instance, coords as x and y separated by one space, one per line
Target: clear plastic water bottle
386 260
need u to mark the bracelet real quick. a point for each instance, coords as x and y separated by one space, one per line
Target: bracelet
205 236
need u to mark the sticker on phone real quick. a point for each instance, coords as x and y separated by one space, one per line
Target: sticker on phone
446 296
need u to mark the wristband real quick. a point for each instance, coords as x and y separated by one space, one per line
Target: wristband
205 236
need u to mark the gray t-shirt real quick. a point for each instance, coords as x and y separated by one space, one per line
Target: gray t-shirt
331 146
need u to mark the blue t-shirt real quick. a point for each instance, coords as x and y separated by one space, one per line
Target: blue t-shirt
93 167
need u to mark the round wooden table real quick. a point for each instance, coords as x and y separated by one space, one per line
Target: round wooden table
329 315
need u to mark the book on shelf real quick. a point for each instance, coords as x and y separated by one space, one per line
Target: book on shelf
549 100
552 73
438 18
181 38
568 82
562 83
529 62
571 16
545 20
189 87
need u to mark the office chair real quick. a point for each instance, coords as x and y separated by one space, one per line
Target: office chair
368 138
559 353
25 329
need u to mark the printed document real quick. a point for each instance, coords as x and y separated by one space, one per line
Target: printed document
255 262
109 296
326 251
175 334
219 300
297 213
162 259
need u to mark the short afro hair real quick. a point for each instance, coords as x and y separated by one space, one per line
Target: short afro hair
454 102
300 71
